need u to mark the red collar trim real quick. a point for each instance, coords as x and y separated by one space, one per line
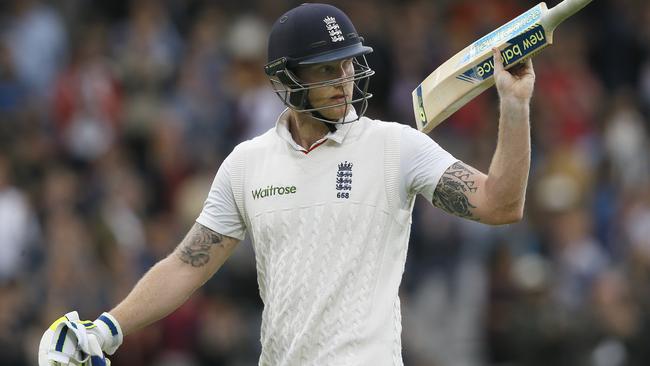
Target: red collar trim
313 147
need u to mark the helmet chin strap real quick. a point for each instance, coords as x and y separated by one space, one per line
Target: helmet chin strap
319 116
329 123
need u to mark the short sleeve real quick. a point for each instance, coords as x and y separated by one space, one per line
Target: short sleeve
220 212
422 163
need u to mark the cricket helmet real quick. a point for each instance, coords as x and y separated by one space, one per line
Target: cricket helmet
311 34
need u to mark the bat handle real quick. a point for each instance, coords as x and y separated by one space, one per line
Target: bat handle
561 11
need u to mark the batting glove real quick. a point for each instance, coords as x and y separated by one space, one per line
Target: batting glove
69 341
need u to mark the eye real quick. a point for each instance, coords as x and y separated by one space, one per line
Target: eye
326 69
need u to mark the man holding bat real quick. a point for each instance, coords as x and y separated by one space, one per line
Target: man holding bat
326 195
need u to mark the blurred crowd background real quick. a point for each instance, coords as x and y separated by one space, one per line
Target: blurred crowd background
115 115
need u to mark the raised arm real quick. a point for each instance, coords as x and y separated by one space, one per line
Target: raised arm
169 283
498 197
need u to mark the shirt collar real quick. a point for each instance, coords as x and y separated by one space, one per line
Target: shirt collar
338 136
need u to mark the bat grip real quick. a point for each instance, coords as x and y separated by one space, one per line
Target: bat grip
563 10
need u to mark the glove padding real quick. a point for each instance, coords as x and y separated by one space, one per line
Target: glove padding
69 341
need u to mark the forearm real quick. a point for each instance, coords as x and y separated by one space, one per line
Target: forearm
169 283
164 288
508 174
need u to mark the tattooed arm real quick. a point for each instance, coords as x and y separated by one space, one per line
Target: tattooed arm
466 192
169 283
497 198
457 185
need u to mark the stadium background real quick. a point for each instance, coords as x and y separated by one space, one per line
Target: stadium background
115 115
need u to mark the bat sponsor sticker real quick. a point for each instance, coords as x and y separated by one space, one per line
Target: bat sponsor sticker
518 48
422 116
506 31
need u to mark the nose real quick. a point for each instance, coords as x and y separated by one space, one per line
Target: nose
346 69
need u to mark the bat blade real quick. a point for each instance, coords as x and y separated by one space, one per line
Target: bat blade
470 72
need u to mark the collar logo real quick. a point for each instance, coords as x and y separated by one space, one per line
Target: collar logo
333 29
344 180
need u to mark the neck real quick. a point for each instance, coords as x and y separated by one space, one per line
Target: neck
306 130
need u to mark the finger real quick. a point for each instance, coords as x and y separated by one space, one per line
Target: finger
518 70
522 68
498 60
529 67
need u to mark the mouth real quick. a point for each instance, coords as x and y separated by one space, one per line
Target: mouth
338 98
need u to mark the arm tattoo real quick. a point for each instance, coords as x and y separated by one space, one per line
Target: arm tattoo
195 248
451 192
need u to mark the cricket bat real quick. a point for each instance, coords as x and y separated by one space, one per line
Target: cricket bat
470 72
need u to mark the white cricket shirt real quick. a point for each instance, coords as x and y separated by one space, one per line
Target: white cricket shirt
330 229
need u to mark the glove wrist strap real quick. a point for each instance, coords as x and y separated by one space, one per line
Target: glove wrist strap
110 331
